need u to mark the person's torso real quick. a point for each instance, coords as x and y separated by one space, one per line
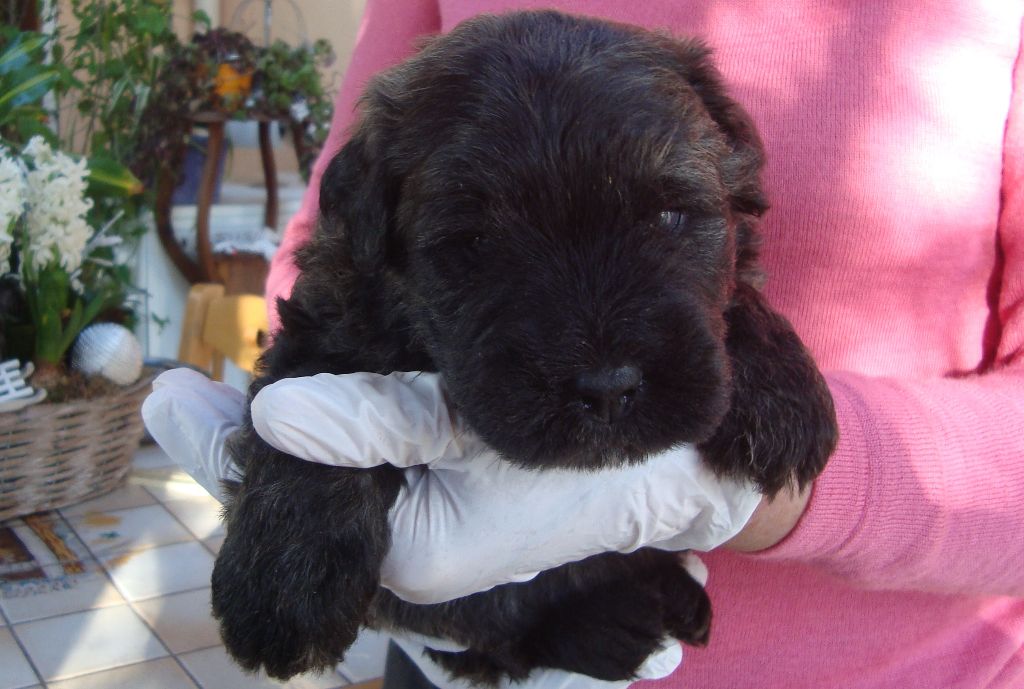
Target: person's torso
883 125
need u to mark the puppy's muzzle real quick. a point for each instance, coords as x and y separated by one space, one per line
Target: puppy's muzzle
607 394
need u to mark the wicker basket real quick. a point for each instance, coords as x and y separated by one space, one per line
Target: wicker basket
54 455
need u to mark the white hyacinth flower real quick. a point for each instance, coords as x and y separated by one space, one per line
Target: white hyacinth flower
12 204
55 222
299 110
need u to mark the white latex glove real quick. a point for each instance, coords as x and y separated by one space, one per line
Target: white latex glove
469 520
360 419
191 417
466 520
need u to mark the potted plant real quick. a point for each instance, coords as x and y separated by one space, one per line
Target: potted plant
289 86
58 256
223 72
69 210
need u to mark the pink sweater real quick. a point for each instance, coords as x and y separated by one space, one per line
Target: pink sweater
895 244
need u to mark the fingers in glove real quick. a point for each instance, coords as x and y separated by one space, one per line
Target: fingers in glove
457 532
662 662
695 567
191 417
361 420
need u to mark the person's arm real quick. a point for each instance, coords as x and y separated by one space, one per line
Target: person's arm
926 488
771 521
387 35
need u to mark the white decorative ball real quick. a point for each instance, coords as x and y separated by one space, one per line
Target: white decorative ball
109 350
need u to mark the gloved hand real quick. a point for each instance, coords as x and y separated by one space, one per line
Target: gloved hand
467 520
191 417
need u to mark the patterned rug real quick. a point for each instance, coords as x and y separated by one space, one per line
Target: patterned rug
41 553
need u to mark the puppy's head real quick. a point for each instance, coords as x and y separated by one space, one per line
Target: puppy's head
564 207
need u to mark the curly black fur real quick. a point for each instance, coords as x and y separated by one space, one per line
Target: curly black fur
532 203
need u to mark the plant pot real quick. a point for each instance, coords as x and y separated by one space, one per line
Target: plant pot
246 134
187 191
54 455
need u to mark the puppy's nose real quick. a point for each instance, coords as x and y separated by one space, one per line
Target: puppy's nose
608 393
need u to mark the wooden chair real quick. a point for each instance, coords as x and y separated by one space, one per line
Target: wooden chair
218 326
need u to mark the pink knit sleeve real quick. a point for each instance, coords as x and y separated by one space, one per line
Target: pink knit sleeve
926 488
386 36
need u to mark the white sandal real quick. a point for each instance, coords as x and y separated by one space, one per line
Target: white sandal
15 393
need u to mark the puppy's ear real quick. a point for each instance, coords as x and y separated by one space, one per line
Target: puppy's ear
742 166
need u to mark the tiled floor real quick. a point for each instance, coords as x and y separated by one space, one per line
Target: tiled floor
135 613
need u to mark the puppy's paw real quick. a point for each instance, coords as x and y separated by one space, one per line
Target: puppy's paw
781 428
482 669
300 563
687 612
607 634
288 606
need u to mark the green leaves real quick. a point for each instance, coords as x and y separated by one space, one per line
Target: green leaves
31 85
149 20
20 51
46 304
109 177
117 49
57 325
99 68
24 80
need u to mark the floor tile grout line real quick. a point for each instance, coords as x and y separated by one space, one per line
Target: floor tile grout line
103 568
26 656
14 633
99 559
124 486
131 604
152 629
124 600
202 539
201 648
188 673
171 593
183 524
161 501
133 549
338 669
177 656
121 667
156 634
68 613
202 542
5 618
136 662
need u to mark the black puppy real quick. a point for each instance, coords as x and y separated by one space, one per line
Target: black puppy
558 215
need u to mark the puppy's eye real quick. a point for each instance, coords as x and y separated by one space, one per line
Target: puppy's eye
467 242
672 221
473 242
